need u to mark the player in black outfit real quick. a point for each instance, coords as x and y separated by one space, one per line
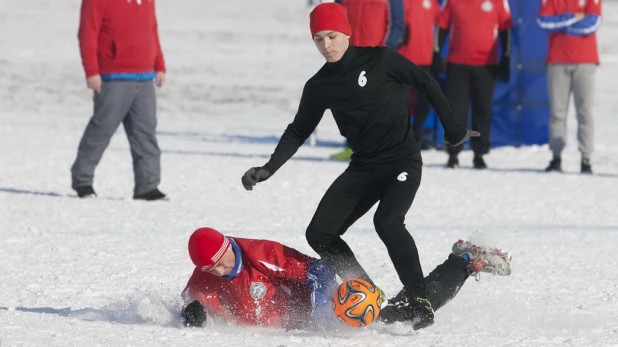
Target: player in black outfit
366 90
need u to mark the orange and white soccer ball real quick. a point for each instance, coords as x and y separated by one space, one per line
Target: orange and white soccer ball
356 303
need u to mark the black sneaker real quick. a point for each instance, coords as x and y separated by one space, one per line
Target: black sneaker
152 195
406 308
452 162
422 313
392 313
85 192
586 168
554 165
478 162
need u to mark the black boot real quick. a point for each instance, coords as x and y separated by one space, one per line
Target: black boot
554 165
152 195
478 162
406 307
586 168
85 192
452 162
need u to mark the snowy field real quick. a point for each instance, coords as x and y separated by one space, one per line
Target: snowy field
109 271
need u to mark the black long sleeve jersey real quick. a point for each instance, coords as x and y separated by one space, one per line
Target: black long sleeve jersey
367 92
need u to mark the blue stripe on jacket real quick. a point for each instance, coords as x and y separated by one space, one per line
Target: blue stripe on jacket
129 76
589 25
557 22
397 23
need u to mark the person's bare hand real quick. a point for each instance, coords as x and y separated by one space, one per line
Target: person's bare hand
94 83
579 16
160 79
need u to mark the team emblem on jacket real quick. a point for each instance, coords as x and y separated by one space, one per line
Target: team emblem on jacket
487 6
257 290
427 4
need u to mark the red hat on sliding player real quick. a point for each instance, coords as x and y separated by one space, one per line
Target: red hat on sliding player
206 247
329 16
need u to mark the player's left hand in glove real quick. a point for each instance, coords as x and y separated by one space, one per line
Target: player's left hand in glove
194 315
469 134
253 176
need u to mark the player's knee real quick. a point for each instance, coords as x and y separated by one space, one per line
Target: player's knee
317 238
387 221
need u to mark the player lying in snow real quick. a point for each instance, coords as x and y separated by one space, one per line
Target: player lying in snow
265 283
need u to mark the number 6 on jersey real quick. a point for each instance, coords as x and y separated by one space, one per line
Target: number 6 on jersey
362 79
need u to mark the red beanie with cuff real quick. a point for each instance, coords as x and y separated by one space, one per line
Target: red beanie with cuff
329 16
206 247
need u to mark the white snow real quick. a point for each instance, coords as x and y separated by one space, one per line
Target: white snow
109 271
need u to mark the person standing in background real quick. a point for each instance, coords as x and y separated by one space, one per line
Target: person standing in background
121 56
571 66
473 64
417 44
374 23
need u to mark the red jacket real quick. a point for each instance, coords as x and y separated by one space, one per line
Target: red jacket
474 27
571 41
119 36
420 19
270 290
375 22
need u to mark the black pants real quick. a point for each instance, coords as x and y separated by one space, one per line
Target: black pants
467 84
443 284
351 195
423 106
445 281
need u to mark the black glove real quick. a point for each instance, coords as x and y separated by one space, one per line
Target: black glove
504 69
437 64
253 176
194 315
469 134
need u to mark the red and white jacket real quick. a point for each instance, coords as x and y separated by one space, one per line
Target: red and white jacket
375 22
119 36
571 41
420 21
474 26
271 285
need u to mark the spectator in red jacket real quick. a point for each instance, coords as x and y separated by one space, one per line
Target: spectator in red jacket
417 44
473 65
373 23
121 56
264 283
571 65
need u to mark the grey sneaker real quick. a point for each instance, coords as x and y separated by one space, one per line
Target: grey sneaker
491 260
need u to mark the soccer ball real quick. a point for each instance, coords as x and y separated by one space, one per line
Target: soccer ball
356 303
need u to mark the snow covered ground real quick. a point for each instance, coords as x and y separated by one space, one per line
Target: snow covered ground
109 271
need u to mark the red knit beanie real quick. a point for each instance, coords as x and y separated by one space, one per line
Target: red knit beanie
329 16
206 247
